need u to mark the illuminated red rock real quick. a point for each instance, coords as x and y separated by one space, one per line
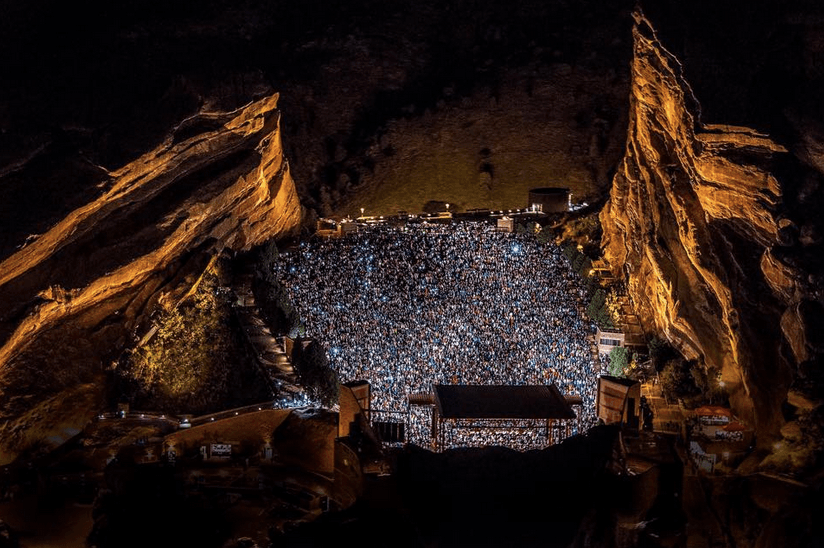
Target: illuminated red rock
72 296
693 220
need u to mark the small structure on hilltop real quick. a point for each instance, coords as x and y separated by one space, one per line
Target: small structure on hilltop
619 400
326 228
712 419
717 437
347 226
550 199
468 409
608 339
602 269
330 228
506 224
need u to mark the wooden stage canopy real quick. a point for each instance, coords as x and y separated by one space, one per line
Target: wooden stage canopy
500 407
501 402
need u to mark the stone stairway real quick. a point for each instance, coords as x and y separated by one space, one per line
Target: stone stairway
269 350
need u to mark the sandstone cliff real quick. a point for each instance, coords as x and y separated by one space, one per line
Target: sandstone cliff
695 222
71 298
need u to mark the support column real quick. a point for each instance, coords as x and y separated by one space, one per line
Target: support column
434 430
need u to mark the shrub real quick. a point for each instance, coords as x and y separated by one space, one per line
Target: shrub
618 361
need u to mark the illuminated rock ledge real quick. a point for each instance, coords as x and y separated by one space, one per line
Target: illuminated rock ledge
71 297
693 216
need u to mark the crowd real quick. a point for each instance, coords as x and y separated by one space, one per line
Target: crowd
409 307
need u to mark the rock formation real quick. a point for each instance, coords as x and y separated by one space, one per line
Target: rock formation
695 221
71 297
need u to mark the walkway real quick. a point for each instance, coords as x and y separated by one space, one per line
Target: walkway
270 351
667 418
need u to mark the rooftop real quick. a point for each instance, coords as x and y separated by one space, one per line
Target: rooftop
501 402
623 381
713 411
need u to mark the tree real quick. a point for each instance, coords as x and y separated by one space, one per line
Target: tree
297 329
577 261
618 361
585 267
598 310
569 251
677 379
267 260
659 352
316 374
273 299
187 365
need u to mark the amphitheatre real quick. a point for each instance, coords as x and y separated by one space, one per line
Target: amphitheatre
430 273
410 307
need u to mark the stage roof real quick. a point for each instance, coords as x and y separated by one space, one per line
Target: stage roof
623 381
501 402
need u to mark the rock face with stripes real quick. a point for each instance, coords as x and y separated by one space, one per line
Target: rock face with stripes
71 298
695 220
